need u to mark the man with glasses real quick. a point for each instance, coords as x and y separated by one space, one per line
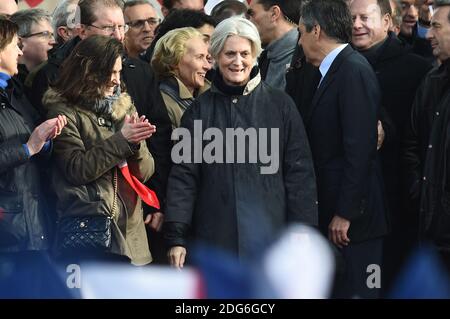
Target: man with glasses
35 39
105 17
416 17
142 20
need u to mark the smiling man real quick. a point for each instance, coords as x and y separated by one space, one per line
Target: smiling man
142 20
416 17
399 74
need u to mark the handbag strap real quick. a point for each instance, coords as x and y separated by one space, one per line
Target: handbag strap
113 209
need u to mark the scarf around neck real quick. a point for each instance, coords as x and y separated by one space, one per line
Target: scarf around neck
105 105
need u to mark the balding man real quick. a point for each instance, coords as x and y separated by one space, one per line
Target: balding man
8 7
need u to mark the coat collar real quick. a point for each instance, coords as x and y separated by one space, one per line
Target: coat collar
122 106
392 48
251 85
184 93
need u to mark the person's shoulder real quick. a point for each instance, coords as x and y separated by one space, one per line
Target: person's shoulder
137 69
135 64
56 104
356 63
265 90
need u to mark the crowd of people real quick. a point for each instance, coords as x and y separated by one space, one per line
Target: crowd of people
329 113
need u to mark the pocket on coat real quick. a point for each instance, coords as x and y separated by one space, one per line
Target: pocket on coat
13 227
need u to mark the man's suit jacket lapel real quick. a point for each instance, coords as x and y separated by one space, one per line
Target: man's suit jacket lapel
328 79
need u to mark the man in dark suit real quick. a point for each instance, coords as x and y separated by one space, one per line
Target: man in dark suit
399 73
342 130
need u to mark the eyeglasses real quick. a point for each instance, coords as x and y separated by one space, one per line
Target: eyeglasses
42 34
140 24
111 28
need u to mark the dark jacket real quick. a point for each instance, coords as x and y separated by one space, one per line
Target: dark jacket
426 155
302 79
342 131
143 88
399 74
419 46
24 224
232 205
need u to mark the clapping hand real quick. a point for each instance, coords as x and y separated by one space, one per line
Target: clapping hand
136 129
45 132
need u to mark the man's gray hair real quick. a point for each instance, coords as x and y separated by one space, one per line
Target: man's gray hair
132 3
25 19
64 16
235 26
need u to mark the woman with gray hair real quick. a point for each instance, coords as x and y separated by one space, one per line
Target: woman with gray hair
238 196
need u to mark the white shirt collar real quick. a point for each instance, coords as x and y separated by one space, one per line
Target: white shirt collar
328 61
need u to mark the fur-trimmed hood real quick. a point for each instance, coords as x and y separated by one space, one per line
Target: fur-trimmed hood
122 106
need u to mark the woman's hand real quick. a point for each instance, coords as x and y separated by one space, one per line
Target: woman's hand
45 132
177 255
136 129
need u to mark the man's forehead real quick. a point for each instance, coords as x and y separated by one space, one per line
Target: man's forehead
190 3
441 14
42 25
140 10
108 14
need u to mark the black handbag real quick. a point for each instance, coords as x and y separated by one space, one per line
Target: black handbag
87 233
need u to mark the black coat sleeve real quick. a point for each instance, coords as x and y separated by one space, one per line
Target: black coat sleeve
298 170
12 154
182 186
411 150
143 87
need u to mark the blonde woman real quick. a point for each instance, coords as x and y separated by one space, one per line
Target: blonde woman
181 61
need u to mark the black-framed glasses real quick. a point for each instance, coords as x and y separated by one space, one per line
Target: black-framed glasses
140 24
42 34
111 28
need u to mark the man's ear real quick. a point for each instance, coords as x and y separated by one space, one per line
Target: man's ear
82 30
20 43
164 11
63 32
386 21
317 31
276 13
